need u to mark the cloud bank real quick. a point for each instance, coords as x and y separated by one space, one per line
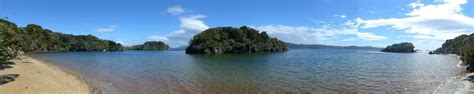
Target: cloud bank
317 35
429 25
440 21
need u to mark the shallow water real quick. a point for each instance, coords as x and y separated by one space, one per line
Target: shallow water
298 70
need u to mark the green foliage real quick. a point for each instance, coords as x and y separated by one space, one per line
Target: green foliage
151 46
401 48
468 56
462 45
457 45
9 40
234 40
33 38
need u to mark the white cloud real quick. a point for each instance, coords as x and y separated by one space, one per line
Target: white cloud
439 21
106 29
371 12
313 35
193 23
123 43
175 10
348 40
190 26
341 16
416 5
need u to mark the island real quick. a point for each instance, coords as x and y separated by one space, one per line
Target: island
234 40
404 47
151 46
463 46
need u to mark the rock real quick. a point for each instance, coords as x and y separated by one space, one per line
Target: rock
469 69
6 65
8 78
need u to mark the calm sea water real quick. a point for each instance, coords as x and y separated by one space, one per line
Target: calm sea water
298 70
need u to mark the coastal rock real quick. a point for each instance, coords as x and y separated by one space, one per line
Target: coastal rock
405 47
469 69
234 40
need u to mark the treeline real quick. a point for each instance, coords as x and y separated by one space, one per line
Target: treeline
234 40
150 46
33 38
463 46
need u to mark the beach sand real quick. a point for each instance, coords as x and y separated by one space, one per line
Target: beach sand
36 77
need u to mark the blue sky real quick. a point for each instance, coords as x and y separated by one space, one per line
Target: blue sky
426 23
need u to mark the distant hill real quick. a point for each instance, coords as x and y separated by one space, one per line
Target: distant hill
151 46
319 46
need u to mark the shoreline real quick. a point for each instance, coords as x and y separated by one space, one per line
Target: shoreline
468 86
36 76
93 87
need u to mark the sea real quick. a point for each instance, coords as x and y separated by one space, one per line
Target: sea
294 71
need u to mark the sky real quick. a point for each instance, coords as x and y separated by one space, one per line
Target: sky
425 23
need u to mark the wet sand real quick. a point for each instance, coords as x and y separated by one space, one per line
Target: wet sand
36 77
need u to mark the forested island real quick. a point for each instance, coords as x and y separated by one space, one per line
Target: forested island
405 47
33 38
234 40
463 46
150 46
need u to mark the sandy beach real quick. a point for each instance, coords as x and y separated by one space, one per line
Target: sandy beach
36 77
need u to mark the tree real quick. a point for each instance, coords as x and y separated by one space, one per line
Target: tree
9 41
33 38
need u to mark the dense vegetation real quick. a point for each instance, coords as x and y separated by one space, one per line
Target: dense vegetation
234 40
151 46
400 48
463 46
33 38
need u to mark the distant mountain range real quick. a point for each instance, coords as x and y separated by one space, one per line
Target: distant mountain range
319 46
